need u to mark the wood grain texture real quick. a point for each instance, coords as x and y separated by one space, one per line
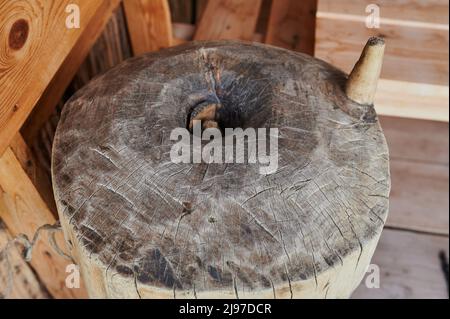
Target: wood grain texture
149 24
23 211
430 11
28 68
416 140
412 100
308 230
419 197
292 25
36 173
410 267
338 41
54 90
419 155
23 283
416 34
228 19
182 11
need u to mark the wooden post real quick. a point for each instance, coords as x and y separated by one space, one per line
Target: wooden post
149 24
292 25
228 19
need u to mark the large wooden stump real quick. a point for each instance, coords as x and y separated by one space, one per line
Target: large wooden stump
140 225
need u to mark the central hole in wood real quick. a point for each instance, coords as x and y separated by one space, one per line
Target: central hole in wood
205 114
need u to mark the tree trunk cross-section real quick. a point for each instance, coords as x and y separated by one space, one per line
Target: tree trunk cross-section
142 226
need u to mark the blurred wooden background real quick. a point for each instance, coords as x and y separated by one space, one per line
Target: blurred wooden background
412 101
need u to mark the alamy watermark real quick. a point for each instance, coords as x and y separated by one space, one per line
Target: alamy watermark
73 17
373 19
373 278
235 146
73 278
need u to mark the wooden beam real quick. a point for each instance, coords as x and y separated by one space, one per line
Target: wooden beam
35 42
35 171
292 25
228 19
23 211
61 80
149 24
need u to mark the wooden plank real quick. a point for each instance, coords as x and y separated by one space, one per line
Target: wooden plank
23 211
409 265
419 173
430 11
228 19
412 100
55 89
413 54
419 197
416 140
292 25
149 24
41 42
17 279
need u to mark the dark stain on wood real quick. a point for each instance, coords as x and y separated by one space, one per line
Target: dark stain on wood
18 34
154 268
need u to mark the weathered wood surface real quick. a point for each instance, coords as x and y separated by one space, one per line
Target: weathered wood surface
308 230
17 279
410 267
